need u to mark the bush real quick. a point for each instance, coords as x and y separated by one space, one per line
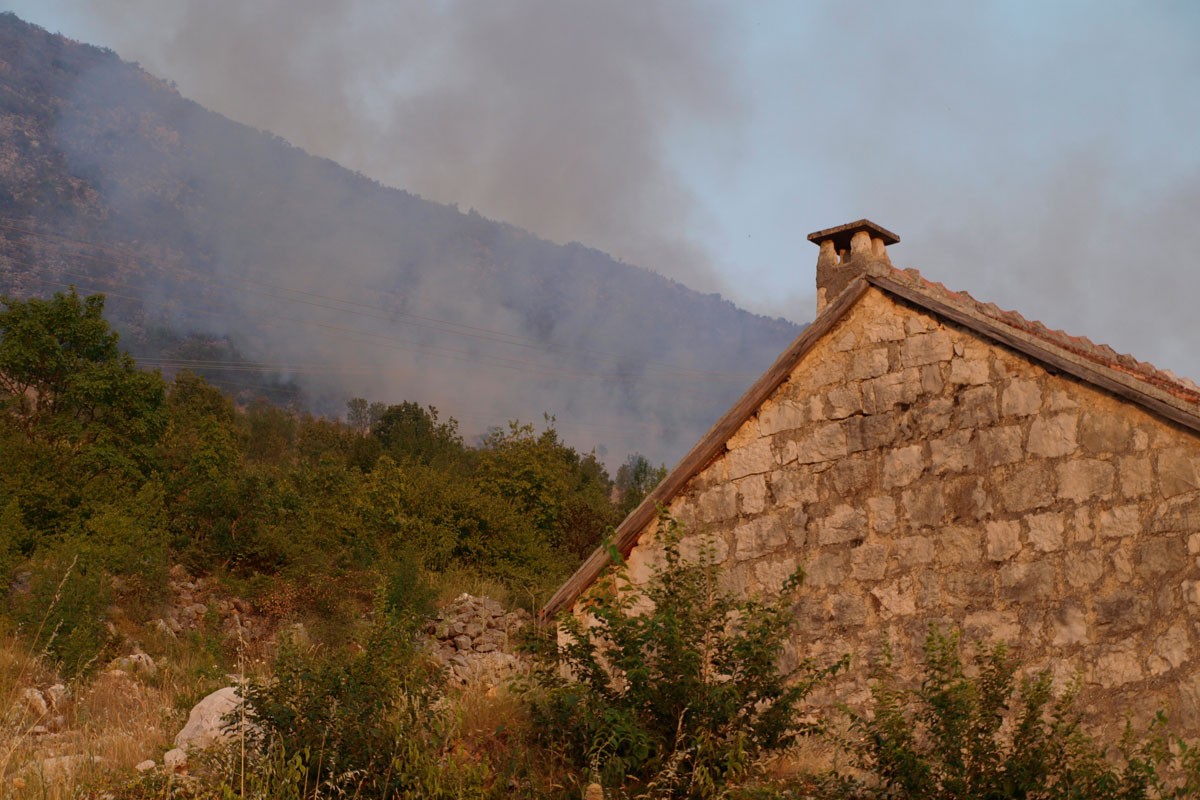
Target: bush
985 735
676 686
358 720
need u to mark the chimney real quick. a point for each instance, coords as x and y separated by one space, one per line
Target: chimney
845 253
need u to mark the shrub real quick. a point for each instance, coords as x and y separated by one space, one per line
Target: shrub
982 734
676 687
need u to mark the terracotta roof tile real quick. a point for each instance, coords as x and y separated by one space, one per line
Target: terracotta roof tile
1100 354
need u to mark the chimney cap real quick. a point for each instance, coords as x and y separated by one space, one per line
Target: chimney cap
841 235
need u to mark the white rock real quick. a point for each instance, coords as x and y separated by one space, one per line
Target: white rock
206 724
175 760
145 766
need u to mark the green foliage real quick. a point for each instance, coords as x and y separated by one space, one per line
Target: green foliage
62 614
981 734
361 719
676 685
63 380
411 434
635 479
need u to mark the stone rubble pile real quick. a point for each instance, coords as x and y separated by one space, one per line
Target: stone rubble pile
474 637
192 599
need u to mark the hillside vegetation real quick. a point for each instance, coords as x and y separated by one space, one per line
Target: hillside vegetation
270 272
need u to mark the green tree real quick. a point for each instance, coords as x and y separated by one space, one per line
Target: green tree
635 479
409 433
64 379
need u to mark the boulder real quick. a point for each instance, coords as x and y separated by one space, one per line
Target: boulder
207 726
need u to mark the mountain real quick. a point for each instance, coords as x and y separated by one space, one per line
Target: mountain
228 251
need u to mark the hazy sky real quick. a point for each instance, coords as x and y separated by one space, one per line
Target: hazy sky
1042 155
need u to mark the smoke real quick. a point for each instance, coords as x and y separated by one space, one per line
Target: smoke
556 117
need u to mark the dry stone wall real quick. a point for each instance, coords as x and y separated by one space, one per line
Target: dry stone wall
921 474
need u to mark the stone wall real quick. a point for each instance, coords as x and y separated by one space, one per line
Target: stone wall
921 474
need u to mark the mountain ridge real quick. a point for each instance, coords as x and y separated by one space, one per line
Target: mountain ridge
202 229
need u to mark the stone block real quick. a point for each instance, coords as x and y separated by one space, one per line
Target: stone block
1136 476
924 505
1174 647
1177 471
1021 398
953 453
1053 436
882 394
1027 582
793 487
882 513
932 417
997 446
886 327
1003 539
772 574
1085 479
752 492
926 348
902 466
1119 522
913 551
843 401
977 407
1060 400
1028 487
1103 433
747 433
919 322
1046 532
843 523
778 416
865 364
1116 666
718 503
1122 612
968 371
825 569
966 499
1068 625
868 562
847 610
758 537
1000 627
869 433
896 599
852 475
956 545
824 442
753 458
1084 569
1159 556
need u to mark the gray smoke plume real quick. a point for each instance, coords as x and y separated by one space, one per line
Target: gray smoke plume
555 117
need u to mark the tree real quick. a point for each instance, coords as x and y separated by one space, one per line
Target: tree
635 479
64 379
408 432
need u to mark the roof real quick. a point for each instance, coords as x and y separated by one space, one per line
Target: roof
1162 392
842 234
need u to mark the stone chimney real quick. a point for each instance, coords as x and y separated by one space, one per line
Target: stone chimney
845 253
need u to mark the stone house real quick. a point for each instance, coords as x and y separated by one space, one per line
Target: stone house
932 459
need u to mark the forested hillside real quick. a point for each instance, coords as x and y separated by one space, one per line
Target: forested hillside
228 251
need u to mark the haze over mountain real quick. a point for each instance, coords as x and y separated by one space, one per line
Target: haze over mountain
226 250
